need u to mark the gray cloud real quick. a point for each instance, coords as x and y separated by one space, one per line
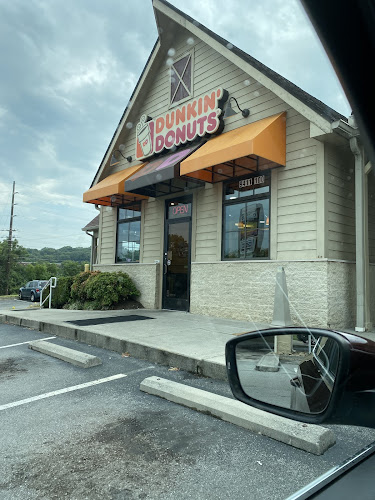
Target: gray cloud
68 70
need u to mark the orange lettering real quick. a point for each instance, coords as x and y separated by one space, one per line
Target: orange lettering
191 113
159 124
209 101
200 106
170 120
180 115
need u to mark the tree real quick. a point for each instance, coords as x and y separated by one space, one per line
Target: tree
52 269
14 256
79 254
70 268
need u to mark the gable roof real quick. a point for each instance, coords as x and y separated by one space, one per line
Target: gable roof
286 88
319 107
92 225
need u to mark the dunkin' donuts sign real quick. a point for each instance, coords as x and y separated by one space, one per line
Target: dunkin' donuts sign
183 124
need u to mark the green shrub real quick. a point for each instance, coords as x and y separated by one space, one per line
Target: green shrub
61 294
78 292
107 289
93 290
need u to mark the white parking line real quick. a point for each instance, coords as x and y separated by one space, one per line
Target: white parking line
62 391
21 343
141 370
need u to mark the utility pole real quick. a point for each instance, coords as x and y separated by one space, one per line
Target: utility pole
10 238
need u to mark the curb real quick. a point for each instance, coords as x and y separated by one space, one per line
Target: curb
198 366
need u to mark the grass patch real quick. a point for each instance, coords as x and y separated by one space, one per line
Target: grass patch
8 296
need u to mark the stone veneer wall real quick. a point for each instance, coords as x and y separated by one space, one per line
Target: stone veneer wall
318 291
145 277
341 294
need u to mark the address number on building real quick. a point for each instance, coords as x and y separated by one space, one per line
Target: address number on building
251 181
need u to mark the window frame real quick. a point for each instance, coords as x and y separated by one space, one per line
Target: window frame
245 199
128 221
191 96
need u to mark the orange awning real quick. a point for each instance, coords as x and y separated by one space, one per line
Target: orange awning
110 191
258 146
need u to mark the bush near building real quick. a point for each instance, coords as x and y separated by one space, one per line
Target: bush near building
62 293
94 290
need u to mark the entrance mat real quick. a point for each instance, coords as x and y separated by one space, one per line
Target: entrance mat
111 319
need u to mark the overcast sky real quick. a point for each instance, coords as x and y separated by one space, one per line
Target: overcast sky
68 68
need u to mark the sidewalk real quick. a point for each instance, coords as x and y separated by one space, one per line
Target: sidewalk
173 338
188 341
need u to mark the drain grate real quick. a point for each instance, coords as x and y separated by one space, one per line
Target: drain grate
111 319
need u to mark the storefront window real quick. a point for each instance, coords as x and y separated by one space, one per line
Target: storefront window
246 218
128 235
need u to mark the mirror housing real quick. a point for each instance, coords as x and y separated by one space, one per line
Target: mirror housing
352 397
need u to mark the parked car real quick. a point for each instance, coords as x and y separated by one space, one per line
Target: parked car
32 290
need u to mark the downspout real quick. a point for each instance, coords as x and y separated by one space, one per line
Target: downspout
360 221
92 249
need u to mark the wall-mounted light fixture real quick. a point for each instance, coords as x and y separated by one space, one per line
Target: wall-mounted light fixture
120 149
229 111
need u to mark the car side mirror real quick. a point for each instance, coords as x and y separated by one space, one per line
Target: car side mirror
311 375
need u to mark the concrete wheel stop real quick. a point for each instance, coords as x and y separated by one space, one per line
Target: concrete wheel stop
308 437
72 356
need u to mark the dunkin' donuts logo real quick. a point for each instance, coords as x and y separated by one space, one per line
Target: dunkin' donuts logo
196 118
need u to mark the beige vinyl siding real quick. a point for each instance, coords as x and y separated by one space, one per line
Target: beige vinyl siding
295 197
152 230
340 203
208 223
211 70
108 235
371 216
296 194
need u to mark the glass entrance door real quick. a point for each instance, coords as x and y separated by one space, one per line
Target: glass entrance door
176 285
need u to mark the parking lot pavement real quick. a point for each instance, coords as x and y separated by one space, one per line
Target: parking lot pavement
15 304
94 434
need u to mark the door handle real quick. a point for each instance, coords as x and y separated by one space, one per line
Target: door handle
165 268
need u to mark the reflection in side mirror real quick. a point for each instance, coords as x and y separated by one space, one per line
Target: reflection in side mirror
289 372
308 374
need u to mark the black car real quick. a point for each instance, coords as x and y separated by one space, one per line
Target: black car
32 290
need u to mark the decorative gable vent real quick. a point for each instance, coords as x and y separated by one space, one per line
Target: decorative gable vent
181 79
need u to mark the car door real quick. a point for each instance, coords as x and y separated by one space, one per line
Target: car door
27 290
34 287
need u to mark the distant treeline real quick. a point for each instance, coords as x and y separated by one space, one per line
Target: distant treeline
18 265
56 255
